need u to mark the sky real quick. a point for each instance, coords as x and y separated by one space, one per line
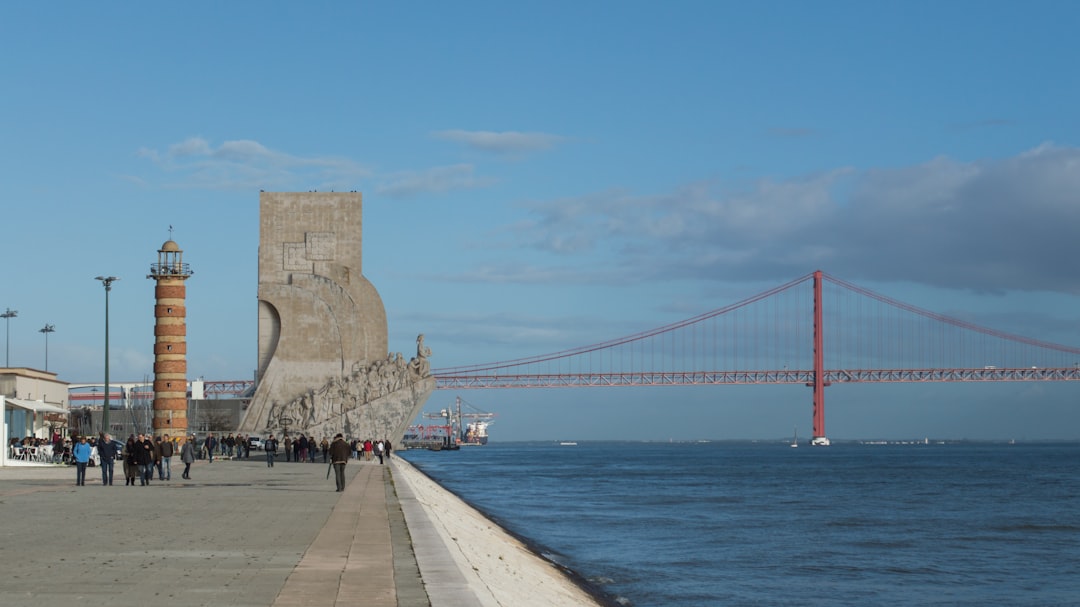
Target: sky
539 176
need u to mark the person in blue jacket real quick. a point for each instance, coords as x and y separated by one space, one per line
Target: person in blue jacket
81 452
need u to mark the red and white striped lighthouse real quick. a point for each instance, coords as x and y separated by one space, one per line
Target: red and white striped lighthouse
170 341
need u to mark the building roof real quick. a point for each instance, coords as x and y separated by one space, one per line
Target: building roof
35 405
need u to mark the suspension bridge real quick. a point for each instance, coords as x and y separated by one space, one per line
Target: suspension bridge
816 330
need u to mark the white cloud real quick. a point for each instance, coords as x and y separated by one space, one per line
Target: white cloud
193 146
433 180
247 164
505 142
1008 224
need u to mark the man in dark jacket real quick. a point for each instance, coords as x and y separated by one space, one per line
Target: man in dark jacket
165 467
210 444
339 456
107 453
144 456
270 446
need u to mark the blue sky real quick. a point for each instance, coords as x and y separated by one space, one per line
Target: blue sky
541 176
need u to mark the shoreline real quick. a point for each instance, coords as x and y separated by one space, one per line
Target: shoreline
501 567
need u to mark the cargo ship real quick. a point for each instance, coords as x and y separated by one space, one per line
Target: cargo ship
476 433
454 431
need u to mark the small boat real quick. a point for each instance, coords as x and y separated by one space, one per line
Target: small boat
567 443
795 441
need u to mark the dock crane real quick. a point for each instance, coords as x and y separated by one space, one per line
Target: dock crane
471 433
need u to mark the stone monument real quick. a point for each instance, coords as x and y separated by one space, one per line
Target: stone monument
324 364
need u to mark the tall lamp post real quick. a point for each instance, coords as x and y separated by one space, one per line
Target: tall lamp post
7 316
46 330
107 282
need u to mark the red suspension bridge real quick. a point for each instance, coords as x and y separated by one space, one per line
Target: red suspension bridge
816 330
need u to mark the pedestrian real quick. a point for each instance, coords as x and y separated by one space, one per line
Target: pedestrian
271 450
386 447
339 456
144 455
210 443
187 455
288 448
131 466
325 446
166 459
107 453
81 452
157 459
379 450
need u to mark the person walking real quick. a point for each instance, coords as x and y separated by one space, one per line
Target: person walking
157 459
165 468
107 454
288 449
379 450
210 444
339 456
81 452
131 466
300 447
187 455
144 455
270 446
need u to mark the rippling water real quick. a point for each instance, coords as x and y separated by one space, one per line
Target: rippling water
722 523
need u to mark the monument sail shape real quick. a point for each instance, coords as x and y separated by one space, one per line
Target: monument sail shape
324 362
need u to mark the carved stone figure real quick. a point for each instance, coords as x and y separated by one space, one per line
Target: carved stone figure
419 365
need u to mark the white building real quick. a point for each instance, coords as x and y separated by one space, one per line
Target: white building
35 403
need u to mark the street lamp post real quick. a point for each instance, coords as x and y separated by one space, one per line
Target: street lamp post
7 316
107 282
46 330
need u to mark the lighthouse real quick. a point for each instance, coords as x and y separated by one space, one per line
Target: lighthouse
170 341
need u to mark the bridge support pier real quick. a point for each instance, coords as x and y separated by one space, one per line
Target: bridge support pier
819 438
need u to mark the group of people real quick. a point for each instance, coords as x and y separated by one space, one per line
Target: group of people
369 450
233 446
341 452
301 449
144 455
141 456
306 449
61 446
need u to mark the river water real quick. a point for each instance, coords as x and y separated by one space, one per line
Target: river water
741 523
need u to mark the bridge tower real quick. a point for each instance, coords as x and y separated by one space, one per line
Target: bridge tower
170 341
819 438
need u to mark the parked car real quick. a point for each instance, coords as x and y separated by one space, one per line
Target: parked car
255 443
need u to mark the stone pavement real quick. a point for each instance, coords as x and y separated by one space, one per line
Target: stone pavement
239 533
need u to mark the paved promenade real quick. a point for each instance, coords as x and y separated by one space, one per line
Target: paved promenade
238 533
